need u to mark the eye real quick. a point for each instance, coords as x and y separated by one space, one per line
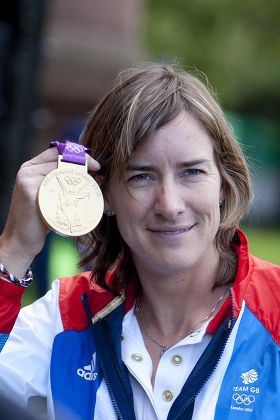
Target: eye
139 178
193 172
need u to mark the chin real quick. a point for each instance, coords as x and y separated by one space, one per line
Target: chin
172 266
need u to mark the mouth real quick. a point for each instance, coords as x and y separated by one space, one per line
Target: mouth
172 230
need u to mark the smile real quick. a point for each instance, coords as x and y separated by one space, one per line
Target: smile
172 231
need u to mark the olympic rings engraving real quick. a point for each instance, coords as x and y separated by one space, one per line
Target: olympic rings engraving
76 148
243 399
71 180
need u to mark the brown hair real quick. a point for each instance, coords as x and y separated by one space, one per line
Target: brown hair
143 99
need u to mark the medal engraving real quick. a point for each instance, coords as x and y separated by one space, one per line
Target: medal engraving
70 201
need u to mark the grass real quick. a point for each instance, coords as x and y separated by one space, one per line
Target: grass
264 243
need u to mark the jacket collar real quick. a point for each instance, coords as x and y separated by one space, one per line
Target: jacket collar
107 302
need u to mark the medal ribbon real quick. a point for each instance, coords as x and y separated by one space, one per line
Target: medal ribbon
71 152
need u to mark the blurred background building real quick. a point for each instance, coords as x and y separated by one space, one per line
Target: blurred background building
57 57
84 45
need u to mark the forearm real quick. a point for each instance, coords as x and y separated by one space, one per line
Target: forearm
14 257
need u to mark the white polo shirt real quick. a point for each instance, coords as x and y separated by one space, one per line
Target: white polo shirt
175 365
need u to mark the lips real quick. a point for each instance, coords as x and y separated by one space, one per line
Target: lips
172 230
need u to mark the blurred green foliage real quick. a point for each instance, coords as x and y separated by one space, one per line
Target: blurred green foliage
30 295
260 137
236 43
264 243
63 258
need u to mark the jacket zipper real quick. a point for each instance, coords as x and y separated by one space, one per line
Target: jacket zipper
108 385
112 397
230 327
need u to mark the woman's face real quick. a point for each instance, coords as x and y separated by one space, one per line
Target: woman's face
167 205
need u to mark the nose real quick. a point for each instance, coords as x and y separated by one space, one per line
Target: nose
169 200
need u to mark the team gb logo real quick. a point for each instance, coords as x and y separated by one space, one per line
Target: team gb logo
250 376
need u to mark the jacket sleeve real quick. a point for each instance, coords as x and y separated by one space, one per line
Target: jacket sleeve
10 303
29 334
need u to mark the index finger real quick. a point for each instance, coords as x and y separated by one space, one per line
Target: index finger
93 165
49 155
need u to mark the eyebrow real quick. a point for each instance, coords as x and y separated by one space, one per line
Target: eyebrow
184 164
135 167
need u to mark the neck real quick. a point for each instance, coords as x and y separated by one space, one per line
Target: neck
172 304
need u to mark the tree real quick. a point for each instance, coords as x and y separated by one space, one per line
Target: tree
237 44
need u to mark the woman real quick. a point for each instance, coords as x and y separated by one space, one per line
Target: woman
177 319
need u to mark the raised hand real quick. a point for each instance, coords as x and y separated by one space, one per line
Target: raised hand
24 234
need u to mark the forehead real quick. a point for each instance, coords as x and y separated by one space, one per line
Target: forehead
184 138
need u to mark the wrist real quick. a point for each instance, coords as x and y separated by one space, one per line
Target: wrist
14 258
11 278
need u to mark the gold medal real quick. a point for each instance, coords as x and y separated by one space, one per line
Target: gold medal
70 201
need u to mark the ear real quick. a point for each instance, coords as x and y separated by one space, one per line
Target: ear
221 195
108 205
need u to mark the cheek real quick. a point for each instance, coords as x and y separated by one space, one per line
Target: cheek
115 198
215 217
124 207
128 227
208 207
127 214
128 204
